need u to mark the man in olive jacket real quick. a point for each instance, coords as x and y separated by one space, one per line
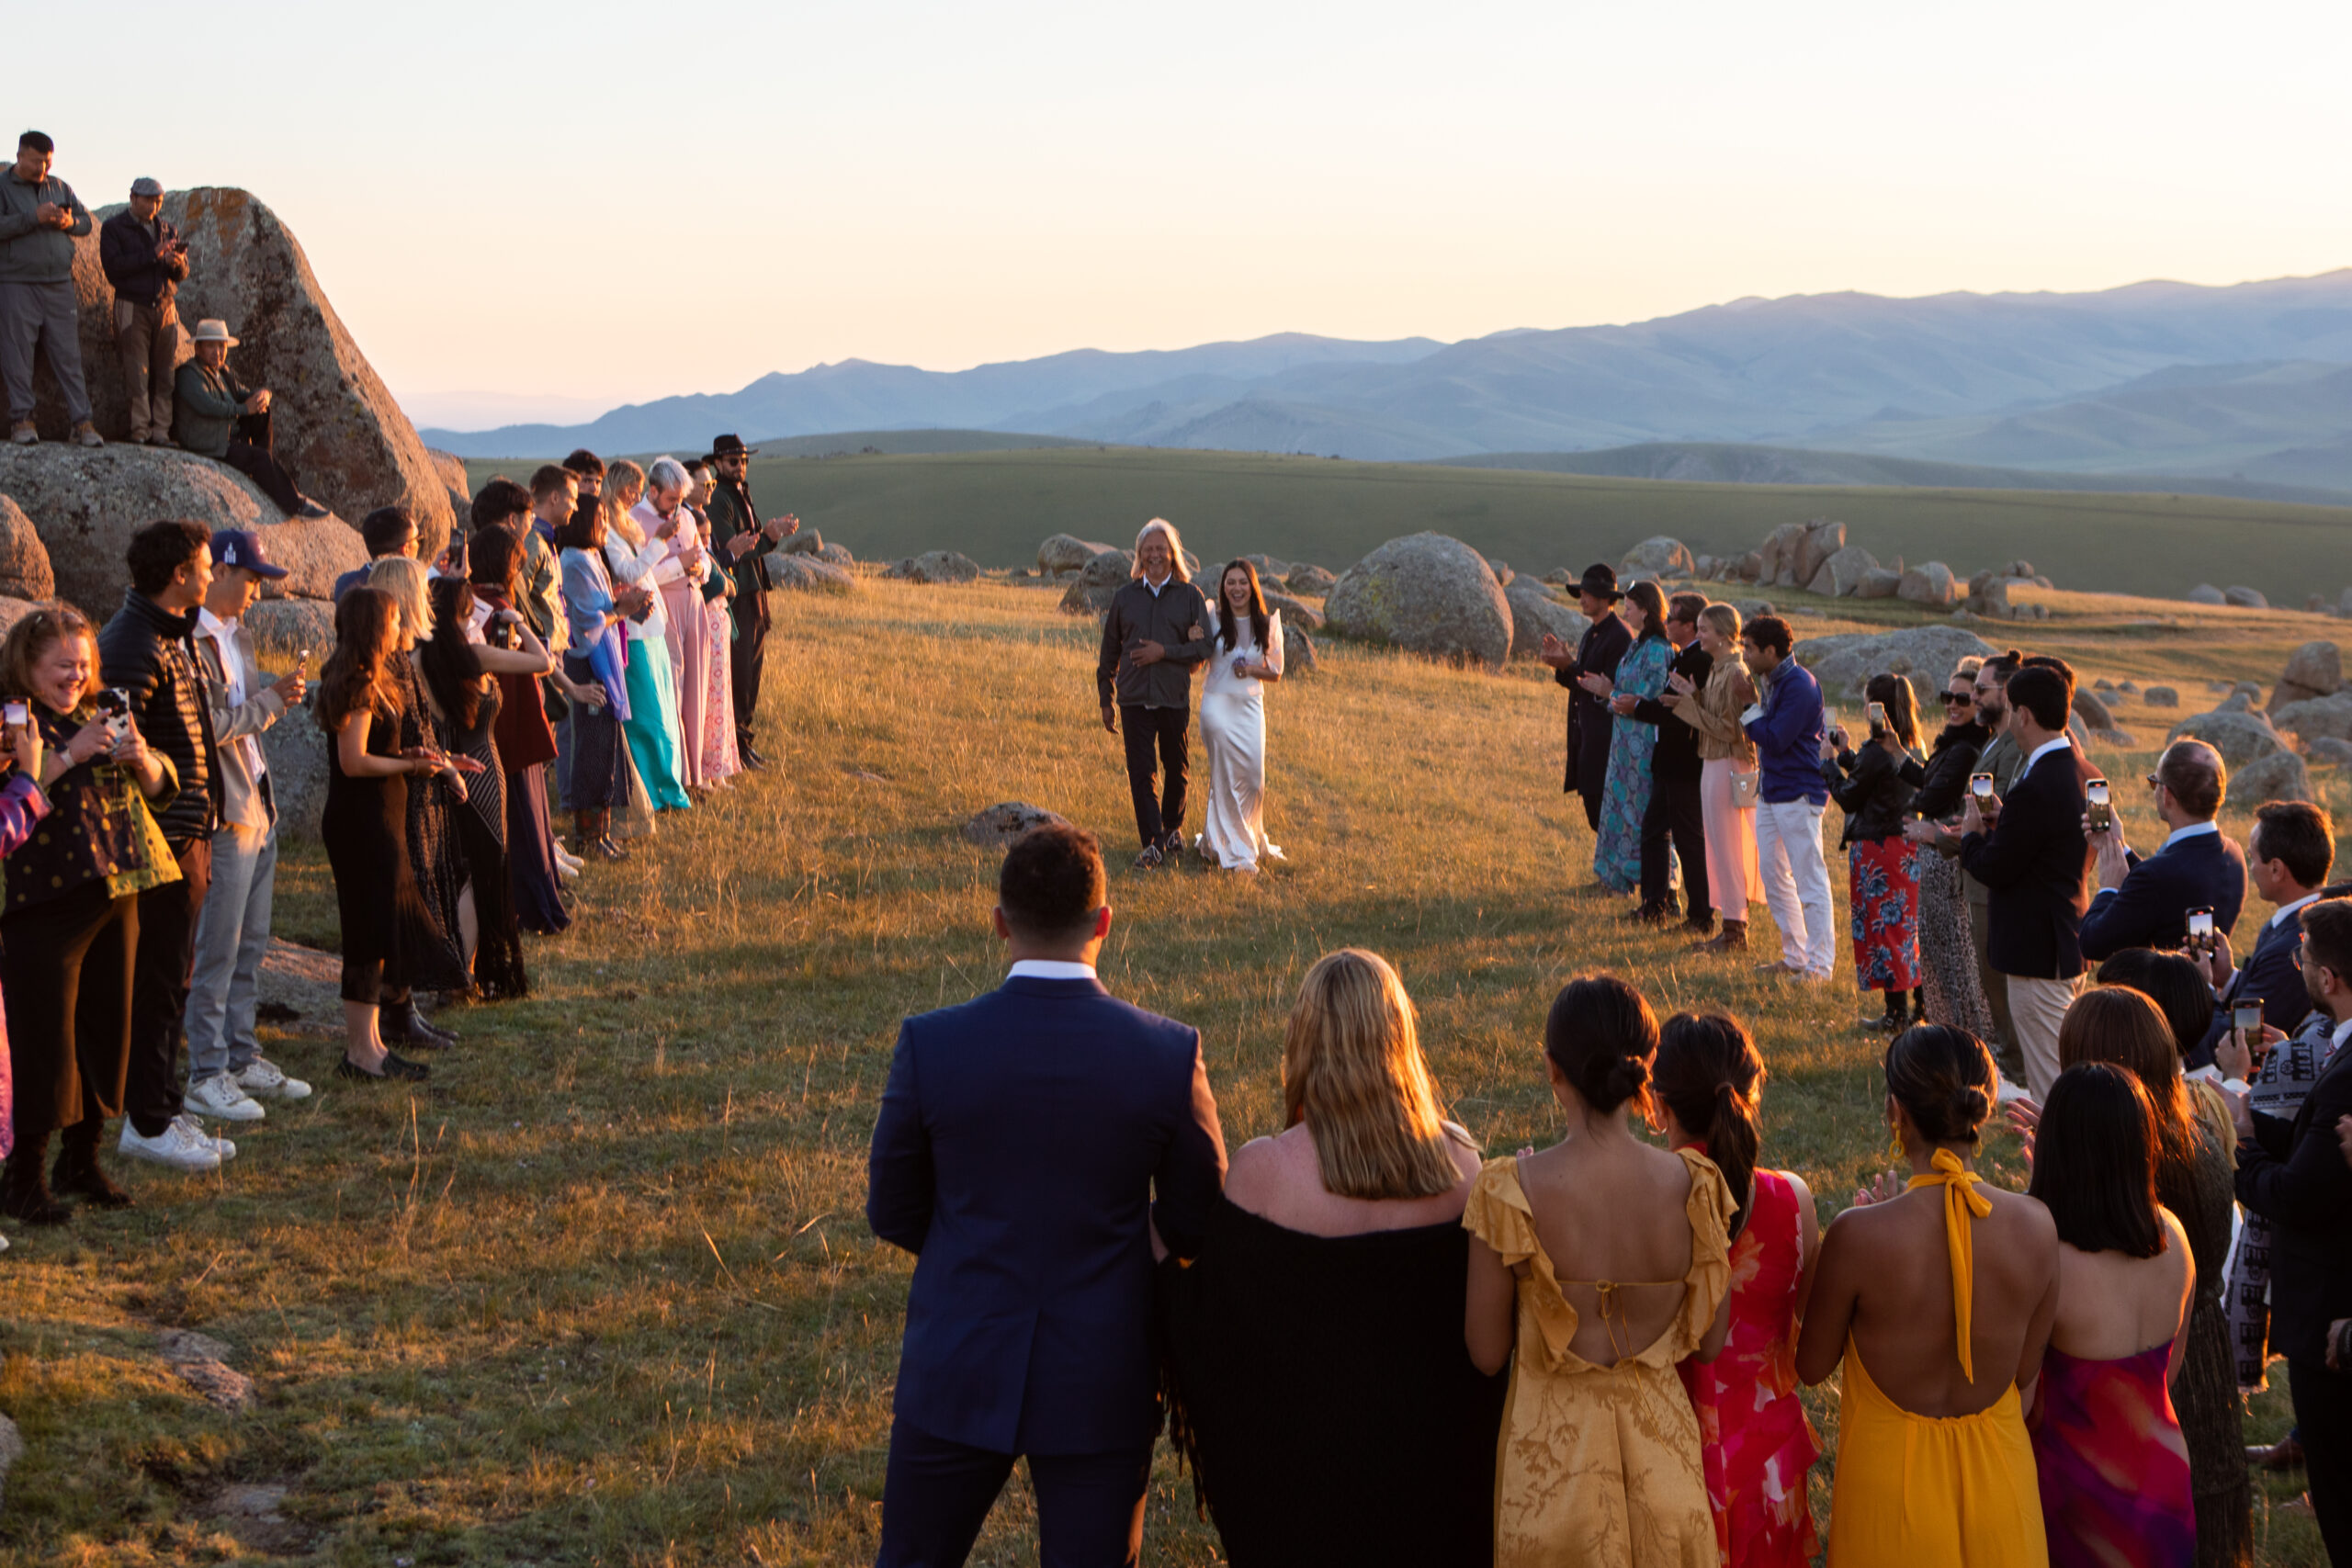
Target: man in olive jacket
217 416
1154 639
40 216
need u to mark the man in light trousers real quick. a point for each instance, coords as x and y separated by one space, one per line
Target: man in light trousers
228 1076
1786 725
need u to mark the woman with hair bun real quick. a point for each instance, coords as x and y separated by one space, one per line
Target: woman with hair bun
1758 1446
1937 1297
1596 1266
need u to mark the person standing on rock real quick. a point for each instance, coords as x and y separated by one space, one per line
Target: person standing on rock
1156 631
1786 725
145 260
742 543
40 217
1597 653
217 416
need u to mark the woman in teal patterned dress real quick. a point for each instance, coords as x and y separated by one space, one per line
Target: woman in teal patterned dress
1617 849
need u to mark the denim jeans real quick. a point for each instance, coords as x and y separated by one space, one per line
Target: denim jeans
231 934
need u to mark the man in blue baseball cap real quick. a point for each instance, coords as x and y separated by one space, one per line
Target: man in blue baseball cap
228 1076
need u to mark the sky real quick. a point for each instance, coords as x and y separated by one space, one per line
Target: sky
531 210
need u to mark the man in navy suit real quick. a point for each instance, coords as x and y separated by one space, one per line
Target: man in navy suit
2292 846
2030 861
2145 903
1021 1139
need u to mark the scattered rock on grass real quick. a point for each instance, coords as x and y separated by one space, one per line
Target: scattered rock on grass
1312 580
2316 718
809 574
1534 613
2206 594
1066 552
1295 611
1005 821
1102 577
2161 698
937 567
2241 737
1427 593
2244 598
1298 651
2314 670
12 1449
2279 776
2329 749
202 1363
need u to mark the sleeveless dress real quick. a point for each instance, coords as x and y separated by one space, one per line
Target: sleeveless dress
1233 730
1625 792
1601 1466
1758 1446
1928 1490
2114 1466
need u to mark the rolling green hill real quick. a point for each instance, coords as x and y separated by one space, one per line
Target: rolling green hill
996 506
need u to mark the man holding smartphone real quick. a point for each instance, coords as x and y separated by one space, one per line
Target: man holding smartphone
145 260
2291 849
2145 903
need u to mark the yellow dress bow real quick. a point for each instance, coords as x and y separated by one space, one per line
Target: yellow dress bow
1961 1202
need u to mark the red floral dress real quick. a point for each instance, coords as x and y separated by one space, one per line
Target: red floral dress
1757 1445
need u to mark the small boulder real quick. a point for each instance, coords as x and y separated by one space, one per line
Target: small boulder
1655 557
2093 711
2315 717
1295 611
1298 650
1926 655
2279 776
1064 552
450 469
2244 598
2129 687
837 555
937 567
1007 820
202 1363
2103 684
1751 608
2206 594
1427 593
806 574
301 988
807 542
1090 591
1501 569
2161 698
2314 670
2327 748
2240 737
1269 569
1533 612
1312 580
1929 584
24 560
1879 582
1841 575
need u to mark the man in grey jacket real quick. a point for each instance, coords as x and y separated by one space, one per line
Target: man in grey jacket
40 216
1155 639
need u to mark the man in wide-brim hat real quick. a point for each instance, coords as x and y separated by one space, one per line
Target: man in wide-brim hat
215 415
742 542
1597 653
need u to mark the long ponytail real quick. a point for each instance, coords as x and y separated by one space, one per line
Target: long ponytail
1709 1074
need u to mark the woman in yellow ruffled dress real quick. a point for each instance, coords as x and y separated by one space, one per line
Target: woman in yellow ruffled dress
1595 1266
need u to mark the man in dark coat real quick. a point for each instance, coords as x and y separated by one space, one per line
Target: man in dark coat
1154 637
1597 653
1674 813
146 261
742 543
2146 902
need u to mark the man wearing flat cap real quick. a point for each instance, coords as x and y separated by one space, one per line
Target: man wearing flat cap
1597 653
217 416
146 261
742 542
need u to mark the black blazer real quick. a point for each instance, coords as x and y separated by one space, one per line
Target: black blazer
2032 865
1597 652
2151 910
2293 1174
1678 744
2274 972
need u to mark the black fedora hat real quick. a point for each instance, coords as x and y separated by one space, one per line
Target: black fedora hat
1600 581
731 447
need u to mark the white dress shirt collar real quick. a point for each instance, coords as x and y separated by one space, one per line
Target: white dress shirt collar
1049 969
2062 743
1156 587
2343 1031
2288 911
2195 830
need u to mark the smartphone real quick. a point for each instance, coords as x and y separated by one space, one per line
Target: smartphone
113 702
1878 720
2102 813
2246 1017
1981 786
15 714
2200 929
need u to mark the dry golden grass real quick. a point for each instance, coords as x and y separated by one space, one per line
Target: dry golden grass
602 1293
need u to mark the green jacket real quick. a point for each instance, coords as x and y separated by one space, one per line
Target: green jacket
30 253
204 406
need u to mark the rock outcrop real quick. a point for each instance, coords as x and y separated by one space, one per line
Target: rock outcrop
810 574
1926 655
1842 573
1654 557
1534 613
2281 775
452 471
1427 594
2240 737
1312 580
24 560
2244 598
1929 584
2315 717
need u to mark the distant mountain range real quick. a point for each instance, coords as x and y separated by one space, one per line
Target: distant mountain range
2251 383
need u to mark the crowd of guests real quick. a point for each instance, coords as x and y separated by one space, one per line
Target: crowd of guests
139 819
1375 1346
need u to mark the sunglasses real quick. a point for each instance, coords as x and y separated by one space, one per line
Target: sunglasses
1962 699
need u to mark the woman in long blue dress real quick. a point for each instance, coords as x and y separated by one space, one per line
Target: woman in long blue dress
1626 799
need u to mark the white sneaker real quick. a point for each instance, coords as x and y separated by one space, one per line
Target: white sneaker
264 1080
223 1096
180 1146
196 1124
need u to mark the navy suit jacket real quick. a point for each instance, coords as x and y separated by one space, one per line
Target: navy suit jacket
2274 972
1021 1138
2292 1174
2031 865
2151 910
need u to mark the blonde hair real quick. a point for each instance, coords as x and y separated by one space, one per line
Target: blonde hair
622 476
1352 1072
1723 618
1175 548
404 580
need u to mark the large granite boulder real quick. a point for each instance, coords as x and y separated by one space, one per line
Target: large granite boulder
1822 539
1065 553
1928 583
1533 612
2314 670
1427 594
296 749
937 567
1298 650
1842 573
2281 775
1844 663
1295 611
12 611
1879 582
2315 717
2240 737
1102 577
335 424
452 471
314 552
24 560
807 542
1656 557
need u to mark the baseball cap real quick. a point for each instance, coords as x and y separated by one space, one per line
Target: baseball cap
238 547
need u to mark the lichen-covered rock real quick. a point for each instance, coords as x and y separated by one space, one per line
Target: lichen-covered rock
296 749
2314 670
1841 575
837 554
806 574
1926 655
1097 582
2240 737
2244 598
2206 594
937 567
314 551
1822 539
84 505
1428 593
2315 718
24 560
1658 556
1312 580
1295 611
1007 820
1064 552
1533 612
2278 776
1928 583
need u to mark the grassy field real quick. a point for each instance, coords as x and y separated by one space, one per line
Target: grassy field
603 1292
996 506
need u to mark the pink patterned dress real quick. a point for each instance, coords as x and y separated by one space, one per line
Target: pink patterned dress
719 759
1757 1444
2113 1464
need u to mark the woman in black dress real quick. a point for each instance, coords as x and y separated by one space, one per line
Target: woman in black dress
365 826
434 959
1320 1381
525 738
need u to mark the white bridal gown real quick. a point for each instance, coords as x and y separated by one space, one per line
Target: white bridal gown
1233 727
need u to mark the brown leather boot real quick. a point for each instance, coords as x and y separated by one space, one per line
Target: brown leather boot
1733 937
24 1191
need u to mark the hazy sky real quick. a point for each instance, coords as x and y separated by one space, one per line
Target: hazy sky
583 204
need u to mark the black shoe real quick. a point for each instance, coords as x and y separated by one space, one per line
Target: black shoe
750 756
1148 860
78 1175
606 849
428 1036
311 510
395 1067
25 1196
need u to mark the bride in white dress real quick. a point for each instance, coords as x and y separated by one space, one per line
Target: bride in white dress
1248 657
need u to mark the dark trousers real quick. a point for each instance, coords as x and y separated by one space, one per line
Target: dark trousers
936 1495
65 967
1673 813
1592 774
2323 1418
252 451
747 660
159 979
1161 730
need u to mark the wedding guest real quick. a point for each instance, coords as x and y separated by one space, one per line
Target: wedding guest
1757 1442
227 1075
525 740
1726 757
1591 729
1247 658
679 576
2107 1446
216 415
1595 1266
2291 852
1316 1343
2145 903
1022 1139
145 262
365 824
70 928
721 759
1786 729
1937 1298
1674 829
2292 1174
741 541
461 690
1633 746
40 220
1156 631
2031 857
2278 1089
2004 760
433 955
595 611
637 548
1950 991
1880 889
386 531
